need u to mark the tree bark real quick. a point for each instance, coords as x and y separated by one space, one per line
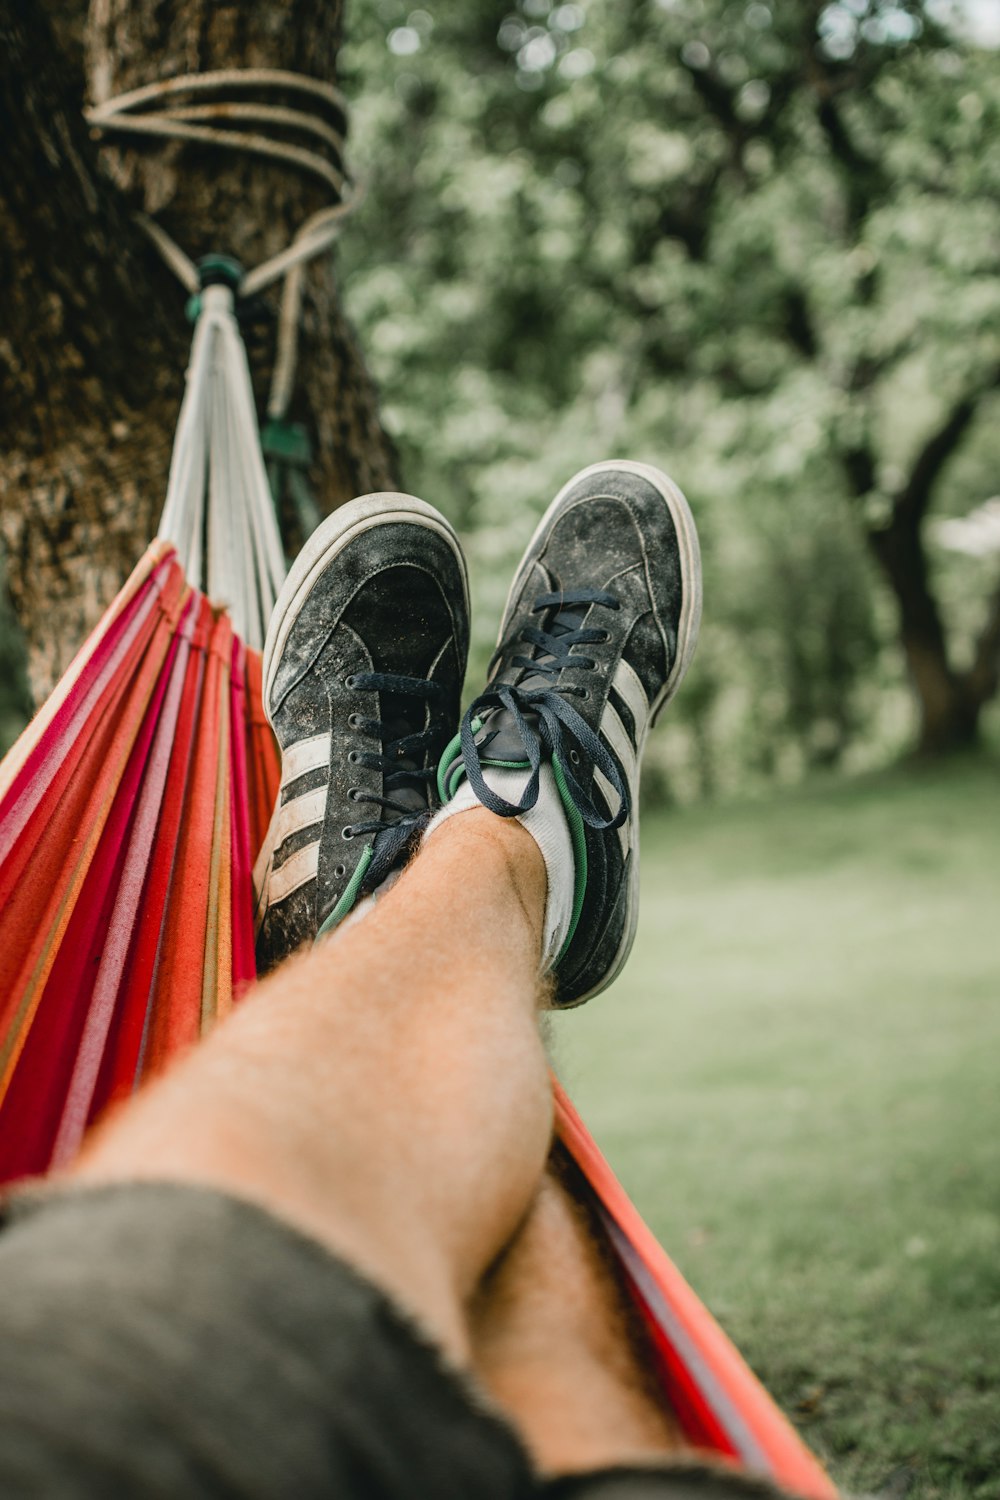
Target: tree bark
93 339
949 712
950 702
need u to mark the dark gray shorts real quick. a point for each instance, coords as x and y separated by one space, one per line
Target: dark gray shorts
160 1340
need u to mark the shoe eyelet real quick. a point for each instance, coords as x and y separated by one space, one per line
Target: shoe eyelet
350 681
353 722
339 872
574 757
347 833
352 757
352 793
585 692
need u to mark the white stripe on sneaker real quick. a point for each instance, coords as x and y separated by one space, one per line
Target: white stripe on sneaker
312 754
262 867
293 817
297 870
612 800
632 693
300 813
614 731
306 755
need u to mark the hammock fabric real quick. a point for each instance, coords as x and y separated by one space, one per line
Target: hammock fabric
720 1404
130 811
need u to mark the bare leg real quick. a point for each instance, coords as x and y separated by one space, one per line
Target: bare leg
387 1092
554 1343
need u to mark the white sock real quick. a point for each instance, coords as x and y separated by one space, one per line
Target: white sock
546 822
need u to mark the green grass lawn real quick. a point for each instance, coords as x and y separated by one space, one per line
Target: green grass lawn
798 1080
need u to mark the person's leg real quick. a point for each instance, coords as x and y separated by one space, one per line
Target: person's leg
599 629
559 1348
388 1091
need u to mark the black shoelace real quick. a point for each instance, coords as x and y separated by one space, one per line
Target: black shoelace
404 807
542 713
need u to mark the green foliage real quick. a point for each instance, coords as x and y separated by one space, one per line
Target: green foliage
795 1079
740 241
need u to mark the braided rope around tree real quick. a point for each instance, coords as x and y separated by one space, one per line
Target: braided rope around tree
176 109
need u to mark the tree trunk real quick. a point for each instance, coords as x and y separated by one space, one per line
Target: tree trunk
93 339
949 712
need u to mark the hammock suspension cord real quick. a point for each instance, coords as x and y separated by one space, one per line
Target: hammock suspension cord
219 512
200 108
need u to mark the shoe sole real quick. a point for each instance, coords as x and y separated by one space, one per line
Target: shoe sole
346 524
687 640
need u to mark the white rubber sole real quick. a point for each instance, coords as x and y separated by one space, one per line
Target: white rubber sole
346 524
687 640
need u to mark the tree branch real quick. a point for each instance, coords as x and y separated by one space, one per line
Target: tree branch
721 102
864 181
797 321
983 678
858 458
718 99
858 463
912 500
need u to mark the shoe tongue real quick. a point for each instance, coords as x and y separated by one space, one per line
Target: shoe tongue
565 621
395 710
504 741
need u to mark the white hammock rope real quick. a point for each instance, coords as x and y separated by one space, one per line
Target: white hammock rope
218 490
218 497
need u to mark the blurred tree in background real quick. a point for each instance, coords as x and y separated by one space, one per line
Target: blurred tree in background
756 243
753 241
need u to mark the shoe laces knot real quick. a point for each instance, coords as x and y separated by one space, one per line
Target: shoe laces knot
542 712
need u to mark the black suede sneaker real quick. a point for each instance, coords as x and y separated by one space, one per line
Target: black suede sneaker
363 669
600 626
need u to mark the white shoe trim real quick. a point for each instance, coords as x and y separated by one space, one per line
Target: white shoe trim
301 812
306 755
612 804
632 693
613 730
298 869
